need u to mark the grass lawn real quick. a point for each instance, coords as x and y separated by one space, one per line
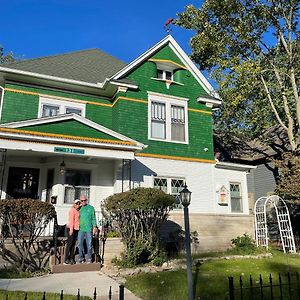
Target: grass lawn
211 278
18 295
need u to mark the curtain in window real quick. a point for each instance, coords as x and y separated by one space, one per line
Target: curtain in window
77 183
158 120
236 198
177 123
50 110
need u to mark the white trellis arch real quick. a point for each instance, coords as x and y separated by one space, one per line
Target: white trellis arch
283 219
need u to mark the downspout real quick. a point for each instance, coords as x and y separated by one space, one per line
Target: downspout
1 101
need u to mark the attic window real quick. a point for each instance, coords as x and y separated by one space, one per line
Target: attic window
164 74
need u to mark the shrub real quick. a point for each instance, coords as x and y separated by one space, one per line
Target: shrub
139 214
24 220
245 245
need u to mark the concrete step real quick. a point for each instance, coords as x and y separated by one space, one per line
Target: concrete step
61 268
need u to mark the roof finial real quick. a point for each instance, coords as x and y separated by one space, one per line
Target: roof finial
167 25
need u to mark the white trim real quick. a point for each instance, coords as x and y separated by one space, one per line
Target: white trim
233 166
63 105
54 78
167 81
168 101
27 145
181 54
54 140
169 97
76 117
214 102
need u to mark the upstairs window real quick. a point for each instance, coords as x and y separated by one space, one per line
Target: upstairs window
177 123
158 120
165 75
168 119
52 107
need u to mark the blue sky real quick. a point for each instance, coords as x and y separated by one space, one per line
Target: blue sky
125 29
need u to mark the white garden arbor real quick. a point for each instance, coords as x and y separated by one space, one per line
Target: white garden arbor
261 207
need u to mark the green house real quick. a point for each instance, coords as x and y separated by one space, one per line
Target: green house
85 123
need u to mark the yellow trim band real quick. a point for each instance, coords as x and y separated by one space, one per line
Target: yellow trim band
200 111
37 133
96 103
22 92
177 158
168 61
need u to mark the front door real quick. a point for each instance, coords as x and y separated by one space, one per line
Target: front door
22 183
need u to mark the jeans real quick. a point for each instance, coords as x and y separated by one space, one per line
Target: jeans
71 243
88 239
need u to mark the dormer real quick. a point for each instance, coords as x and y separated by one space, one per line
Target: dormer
166 70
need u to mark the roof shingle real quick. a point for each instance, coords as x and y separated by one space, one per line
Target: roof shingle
91 65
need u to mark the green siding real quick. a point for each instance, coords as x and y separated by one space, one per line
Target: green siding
17 107
127 117
167 53
72 127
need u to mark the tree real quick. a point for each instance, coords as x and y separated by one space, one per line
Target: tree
23 221
6 58
139 214
252 49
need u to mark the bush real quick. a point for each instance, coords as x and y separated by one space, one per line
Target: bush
25 220
245 245
139 214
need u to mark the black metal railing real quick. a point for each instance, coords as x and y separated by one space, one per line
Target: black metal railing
78 296
286 287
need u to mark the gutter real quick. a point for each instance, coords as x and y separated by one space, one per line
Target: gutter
234 166
101 85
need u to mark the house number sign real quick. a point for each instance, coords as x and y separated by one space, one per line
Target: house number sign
68 150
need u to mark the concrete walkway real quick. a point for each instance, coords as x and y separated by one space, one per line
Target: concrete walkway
69 283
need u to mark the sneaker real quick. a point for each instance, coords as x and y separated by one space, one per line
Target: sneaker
89 262
67 262
73 262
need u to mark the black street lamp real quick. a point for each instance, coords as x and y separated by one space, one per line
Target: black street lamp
185 196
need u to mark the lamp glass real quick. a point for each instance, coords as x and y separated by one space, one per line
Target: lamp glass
185 196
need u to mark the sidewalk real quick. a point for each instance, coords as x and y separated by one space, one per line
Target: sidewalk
69 283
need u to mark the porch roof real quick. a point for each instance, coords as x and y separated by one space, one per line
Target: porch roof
68 130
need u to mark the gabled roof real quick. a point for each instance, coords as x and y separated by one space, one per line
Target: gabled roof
57 128
169 40
92 65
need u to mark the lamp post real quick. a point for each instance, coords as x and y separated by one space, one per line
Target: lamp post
185 196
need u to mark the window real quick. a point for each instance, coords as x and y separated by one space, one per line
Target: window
50 110
236 197
171 186
77 183
168 119
165 75
53 107
158 120
70 110
177 123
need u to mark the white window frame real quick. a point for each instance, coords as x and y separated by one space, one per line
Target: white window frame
164 75
168 101
241 197
63 105
169 186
